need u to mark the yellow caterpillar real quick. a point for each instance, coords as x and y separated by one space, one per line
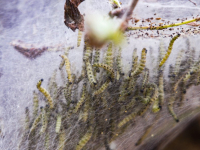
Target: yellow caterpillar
45 93
86 110
90 74
169 50
58 123
109 56
27 119
79 38
141 66
67 65
44 122
106 67
161 51
87 52
146 78
119 61
61 140
161 89
84 140
134 60
36 121
102 88
46 144
96 59
35 104
178 62
82 99
171 110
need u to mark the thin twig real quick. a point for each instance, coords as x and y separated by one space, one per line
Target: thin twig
193 2
163 27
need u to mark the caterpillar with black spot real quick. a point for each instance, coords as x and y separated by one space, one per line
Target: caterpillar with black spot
27 119
161 89
96 60
45 93
171 110
44 122
178 62
106 67
102 88
141 66
119 61
169 50
67 66
146 78
109 56
90 74
87 52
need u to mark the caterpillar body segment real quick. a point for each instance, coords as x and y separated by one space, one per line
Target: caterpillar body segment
161 89
58 123
102 88
46 144
35 104
87 52
27 119
107 68
44 122
146 78
119 61
45 93
127 119
79 38
62 63
134 60
90 74
169 50
62 136
86 110
96 59
141 66
81 101
178 62
68 67
84 140
171 110
35 123
109 56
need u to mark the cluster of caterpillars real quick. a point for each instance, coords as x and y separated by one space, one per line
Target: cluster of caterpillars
97 106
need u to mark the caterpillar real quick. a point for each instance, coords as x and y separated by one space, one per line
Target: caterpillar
119 61
84 140
146 78
178 62
36 121
27 119
171 110
90 74
79 38
96 59
46 143
169 50
61 140
141 66
45 93
106 67
161 88
87 52
86 110
109 56
35 104
82 99
44 122
102 88
58 123
67 65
